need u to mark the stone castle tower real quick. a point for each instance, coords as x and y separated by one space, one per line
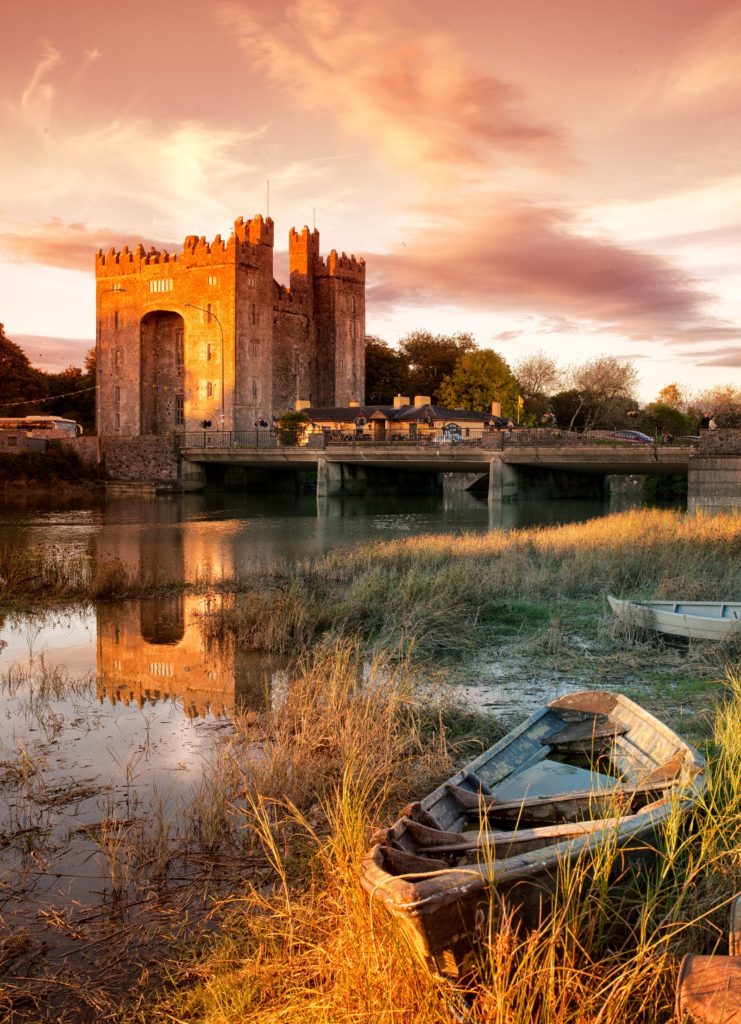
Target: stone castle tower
208 335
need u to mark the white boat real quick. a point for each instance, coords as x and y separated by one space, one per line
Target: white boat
701 620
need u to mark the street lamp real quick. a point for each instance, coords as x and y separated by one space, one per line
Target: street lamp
209 313
99 337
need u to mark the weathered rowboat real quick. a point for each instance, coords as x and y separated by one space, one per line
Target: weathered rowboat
701 620
585 766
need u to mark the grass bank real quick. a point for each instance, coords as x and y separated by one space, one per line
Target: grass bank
302 945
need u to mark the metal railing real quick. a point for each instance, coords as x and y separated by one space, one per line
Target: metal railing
517 437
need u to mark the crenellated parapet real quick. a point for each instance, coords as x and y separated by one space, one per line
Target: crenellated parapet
197 250
345 267
284 298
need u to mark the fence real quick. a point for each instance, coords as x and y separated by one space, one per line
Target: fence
518 437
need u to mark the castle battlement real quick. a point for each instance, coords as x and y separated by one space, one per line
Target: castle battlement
346 267
283 296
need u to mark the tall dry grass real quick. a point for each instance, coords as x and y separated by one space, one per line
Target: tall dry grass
302 943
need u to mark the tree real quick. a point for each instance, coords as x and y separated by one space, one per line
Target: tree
659 418
77 388
538 375
386 372
606 389
722 402
672 396
431 358
292 426
478 379
18 380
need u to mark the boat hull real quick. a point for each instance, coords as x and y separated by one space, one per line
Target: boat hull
685 619
537 811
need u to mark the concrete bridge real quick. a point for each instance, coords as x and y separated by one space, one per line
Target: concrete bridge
523 464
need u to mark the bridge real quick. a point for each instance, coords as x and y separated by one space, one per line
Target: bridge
520 463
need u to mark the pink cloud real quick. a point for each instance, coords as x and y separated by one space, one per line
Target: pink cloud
406 88
505 255
54 354
69 246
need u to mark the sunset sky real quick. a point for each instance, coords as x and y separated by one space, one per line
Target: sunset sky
556 175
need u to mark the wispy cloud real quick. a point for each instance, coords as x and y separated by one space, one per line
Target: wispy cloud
70 246
394 82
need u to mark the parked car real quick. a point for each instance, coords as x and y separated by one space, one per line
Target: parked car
634 436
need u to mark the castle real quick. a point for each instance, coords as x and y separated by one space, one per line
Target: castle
207 337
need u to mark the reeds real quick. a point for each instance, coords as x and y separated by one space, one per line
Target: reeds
304 945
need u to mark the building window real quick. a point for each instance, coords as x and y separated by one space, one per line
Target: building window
209 313
208 350
209 389
179 410
117 359
213 280
352 330
116 320
254 389
254 347
161 284
117 421
342 363
250 279
354 309
117 395
253 313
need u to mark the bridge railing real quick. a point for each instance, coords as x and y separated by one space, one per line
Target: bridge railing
516 437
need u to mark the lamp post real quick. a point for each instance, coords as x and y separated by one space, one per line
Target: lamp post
99 338
209 313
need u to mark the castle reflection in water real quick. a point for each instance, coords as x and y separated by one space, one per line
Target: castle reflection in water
154 650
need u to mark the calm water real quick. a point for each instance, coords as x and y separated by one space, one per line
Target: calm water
108 716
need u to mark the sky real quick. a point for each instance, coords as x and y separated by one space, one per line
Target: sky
550 175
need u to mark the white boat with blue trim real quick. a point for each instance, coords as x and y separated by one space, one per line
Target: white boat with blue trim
698 620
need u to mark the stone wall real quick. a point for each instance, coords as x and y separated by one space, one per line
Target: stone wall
145 460
720 442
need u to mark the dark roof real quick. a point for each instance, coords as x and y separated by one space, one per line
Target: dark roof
406 414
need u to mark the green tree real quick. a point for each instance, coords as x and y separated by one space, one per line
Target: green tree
386 372
18 380
478 379
291 427
660 418
431 358
77 390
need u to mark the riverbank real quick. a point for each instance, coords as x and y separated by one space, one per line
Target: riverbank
397 654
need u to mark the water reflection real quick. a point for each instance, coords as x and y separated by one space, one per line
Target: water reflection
155 650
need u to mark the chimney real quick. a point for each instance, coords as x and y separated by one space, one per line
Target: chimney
301 403
496 408
420 400
400 401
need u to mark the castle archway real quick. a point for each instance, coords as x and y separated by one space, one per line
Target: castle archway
161 336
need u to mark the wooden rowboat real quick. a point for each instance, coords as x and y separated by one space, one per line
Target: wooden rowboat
586 766
701 620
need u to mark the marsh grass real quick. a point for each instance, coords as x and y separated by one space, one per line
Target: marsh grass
304 945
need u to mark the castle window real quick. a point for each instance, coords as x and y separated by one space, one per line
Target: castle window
209 313
116 321
254 347
342 363
354 310
179 410
117 421
254 389
213 280
117 359
208 350
253 313
161 284
250 279
117 395
209 389
352 330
